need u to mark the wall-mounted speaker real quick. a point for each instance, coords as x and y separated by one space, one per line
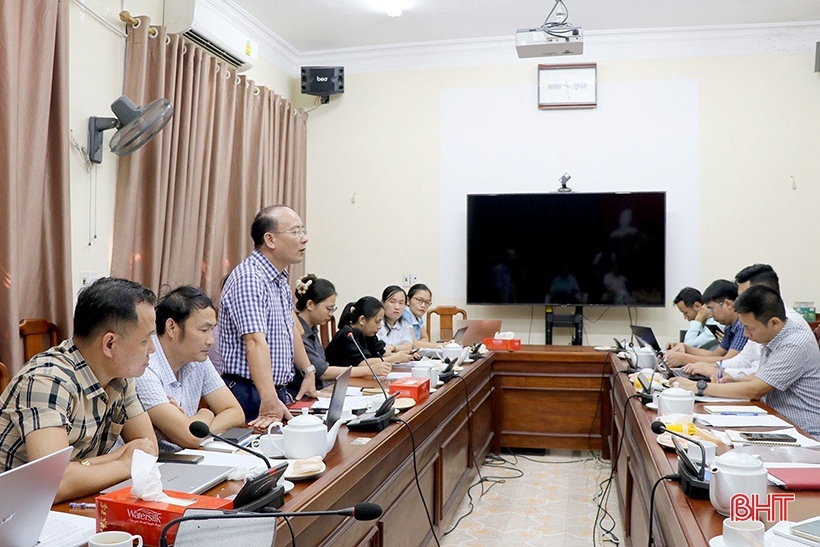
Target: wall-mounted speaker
323 81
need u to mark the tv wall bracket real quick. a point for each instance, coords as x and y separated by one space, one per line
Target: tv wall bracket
575 320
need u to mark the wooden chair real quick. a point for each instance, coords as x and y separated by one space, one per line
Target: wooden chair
445 321
38 335
4 377
328 331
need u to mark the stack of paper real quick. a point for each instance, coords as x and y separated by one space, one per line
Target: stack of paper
716 420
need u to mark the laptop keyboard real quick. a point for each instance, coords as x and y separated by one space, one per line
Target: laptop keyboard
694 377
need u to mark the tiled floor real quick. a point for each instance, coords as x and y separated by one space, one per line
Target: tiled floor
554 503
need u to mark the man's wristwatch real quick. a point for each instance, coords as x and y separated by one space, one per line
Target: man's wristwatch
308 370
701 386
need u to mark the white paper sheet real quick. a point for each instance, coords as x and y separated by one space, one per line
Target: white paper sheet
66 530
716 420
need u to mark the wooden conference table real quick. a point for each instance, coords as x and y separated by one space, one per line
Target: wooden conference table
678 519
538 397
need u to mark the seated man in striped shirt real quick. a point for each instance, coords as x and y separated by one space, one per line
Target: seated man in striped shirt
180 373
81 393
788 377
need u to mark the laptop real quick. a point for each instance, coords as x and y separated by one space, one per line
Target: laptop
646 337
337 399
184 477
27 494
473 331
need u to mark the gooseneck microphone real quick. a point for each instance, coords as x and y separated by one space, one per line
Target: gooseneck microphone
373 372
372 421
201 430
361 511
693 481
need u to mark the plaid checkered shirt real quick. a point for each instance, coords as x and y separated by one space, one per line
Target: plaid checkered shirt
57 388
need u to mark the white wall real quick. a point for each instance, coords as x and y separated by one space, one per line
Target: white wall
755 127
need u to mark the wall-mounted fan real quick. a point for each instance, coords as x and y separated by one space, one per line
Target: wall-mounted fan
136 125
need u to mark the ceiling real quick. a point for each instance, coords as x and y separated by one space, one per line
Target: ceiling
323 25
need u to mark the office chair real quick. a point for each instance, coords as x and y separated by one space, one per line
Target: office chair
4 377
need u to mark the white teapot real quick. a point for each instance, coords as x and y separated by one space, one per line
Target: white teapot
736 473
675 400
305 436
451 351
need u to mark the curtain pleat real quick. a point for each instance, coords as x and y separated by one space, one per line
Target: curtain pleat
186 200
35 225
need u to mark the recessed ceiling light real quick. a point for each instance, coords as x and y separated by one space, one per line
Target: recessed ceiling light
394 11
393 8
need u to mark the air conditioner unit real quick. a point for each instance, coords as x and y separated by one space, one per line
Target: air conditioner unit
201 23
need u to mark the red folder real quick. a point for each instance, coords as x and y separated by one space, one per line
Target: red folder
798 478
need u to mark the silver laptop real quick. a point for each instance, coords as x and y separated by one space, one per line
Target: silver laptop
27 493
337 399
184 477
477 330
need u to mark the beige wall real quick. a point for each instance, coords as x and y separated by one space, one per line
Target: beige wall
374 159
95 81
380 143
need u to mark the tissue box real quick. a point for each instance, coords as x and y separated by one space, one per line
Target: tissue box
119 510
417 389
507 344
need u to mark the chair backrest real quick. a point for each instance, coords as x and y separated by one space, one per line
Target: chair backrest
38 335
445 321
4 377
327 331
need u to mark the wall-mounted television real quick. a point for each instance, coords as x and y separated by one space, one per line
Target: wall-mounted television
576 249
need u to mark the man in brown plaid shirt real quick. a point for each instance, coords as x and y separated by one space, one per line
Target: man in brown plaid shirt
80 393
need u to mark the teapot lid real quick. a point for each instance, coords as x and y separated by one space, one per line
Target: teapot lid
739 460
305 420
676 392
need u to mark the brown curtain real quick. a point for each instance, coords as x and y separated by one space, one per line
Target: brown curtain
35 227
186 200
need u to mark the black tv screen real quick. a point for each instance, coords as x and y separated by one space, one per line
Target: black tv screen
596 249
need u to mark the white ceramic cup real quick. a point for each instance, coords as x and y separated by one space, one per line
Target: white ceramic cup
743 533
114 539
694 453
267 445
656 395
420 371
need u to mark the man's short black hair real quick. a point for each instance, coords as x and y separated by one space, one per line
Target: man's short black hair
720 290
763 302
689 296
759 274
748 272
179 304
264 221
109 304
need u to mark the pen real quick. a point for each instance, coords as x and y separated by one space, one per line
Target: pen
82 505
738 414
720 371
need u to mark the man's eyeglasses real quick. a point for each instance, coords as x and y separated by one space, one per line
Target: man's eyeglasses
301 232
422 301
712 308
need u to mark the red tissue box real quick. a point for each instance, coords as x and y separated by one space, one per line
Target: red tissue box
417 389
497 343
119 510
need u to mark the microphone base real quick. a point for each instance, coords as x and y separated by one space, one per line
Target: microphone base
446 377
273 500
691 485
370 422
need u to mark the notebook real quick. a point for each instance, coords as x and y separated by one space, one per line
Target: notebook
184 477
27 494
474 331
797 478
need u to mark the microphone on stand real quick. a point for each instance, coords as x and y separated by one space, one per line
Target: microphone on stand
694 482
259 491
201 430
361 511
372 421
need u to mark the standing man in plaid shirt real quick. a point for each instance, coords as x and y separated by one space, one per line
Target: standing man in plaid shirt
261 351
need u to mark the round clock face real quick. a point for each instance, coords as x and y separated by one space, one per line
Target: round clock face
567 87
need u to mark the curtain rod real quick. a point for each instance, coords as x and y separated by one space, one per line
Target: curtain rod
112 27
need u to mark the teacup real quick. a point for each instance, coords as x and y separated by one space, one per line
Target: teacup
114 539
743 533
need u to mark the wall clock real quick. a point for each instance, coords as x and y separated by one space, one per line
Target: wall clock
567 86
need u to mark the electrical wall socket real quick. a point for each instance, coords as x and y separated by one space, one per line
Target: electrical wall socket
87 278
414 278
405 280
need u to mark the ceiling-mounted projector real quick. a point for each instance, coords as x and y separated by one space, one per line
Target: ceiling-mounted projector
555 37
542 42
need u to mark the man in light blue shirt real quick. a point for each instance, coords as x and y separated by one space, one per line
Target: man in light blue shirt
690 303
